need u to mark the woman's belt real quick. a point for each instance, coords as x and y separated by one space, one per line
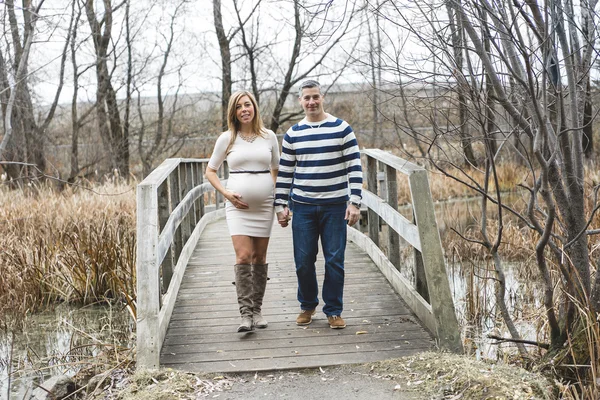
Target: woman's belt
266 171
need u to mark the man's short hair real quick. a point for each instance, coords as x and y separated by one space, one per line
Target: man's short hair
309 84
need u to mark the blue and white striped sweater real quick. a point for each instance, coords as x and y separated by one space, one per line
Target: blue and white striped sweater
319 162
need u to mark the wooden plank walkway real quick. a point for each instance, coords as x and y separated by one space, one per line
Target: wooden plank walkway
202 333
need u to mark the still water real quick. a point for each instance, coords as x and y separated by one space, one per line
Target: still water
57 342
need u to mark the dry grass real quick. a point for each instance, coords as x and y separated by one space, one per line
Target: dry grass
451 376
77 245
158 385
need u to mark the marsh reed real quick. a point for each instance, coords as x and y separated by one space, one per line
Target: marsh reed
75 245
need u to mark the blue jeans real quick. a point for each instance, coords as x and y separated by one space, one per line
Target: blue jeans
309 222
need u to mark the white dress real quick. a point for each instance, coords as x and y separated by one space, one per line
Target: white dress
256 189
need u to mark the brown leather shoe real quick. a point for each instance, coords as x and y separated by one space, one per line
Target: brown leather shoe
336 322
305 317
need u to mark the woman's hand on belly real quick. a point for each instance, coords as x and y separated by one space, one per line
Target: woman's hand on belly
253 189
236 200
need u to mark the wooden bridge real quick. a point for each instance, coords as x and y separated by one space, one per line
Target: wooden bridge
187 312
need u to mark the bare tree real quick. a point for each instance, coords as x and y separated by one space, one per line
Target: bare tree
517 83
225 39
115 138
308 27
462 87
375 50
224 48
160 132
77 120
19 116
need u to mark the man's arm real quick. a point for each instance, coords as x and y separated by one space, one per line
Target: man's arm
351 154
285 177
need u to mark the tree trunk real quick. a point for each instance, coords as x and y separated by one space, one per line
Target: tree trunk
225 62
115 139
588 137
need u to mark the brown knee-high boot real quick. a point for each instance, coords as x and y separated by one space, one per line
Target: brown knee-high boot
243 287
259 278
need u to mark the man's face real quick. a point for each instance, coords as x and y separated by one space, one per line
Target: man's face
312 102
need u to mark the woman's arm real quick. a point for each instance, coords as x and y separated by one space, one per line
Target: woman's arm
234 198
274 175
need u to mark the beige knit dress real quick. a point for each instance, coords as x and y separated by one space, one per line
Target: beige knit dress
248 163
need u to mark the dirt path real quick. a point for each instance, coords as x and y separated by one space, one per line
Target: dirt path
347 382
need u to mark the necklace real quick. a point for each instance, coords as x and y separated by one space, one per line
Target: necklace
248 138
314 125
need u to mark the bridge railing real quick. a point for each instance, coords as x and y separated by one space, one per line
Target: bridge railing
430 297
173 207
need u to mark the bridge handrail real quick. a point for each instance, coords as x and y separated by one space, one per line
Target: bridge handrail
430 298
168 232
171 215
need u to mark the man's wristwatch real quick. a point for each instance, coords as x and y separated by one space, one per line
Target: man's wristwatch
355 204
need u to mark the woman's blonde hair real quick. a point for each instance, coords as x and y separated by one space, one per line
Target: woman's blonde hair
234 125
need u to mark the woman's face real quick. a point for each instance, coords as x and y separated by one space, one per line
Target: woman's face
244 110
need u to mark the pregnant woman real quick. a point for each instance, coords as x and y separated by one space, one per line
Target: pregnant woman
252 153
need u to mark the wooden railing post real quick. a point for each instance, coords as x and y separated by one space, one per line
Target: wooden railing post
184 188
163 216
200 201
391 184
219 196
372 187
195 182
177 245
434 264
148 286
419 271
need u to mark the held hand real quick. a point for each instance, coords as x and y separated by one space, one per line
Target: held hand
283 217
236 200
352 214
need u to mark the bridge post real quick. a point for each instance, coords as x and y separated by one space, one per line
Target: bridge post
147 271
372 216
197 171
184 187
446 324
174 200
200 201
391 185
163 217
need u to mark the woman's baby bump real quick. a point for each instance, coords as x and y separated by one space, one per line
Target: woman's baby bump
254 188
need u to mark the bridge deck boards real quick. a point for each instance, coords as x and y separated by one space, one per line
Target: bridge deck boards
202 333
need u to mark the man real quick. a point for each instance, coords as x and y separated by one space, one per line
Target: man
320 177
